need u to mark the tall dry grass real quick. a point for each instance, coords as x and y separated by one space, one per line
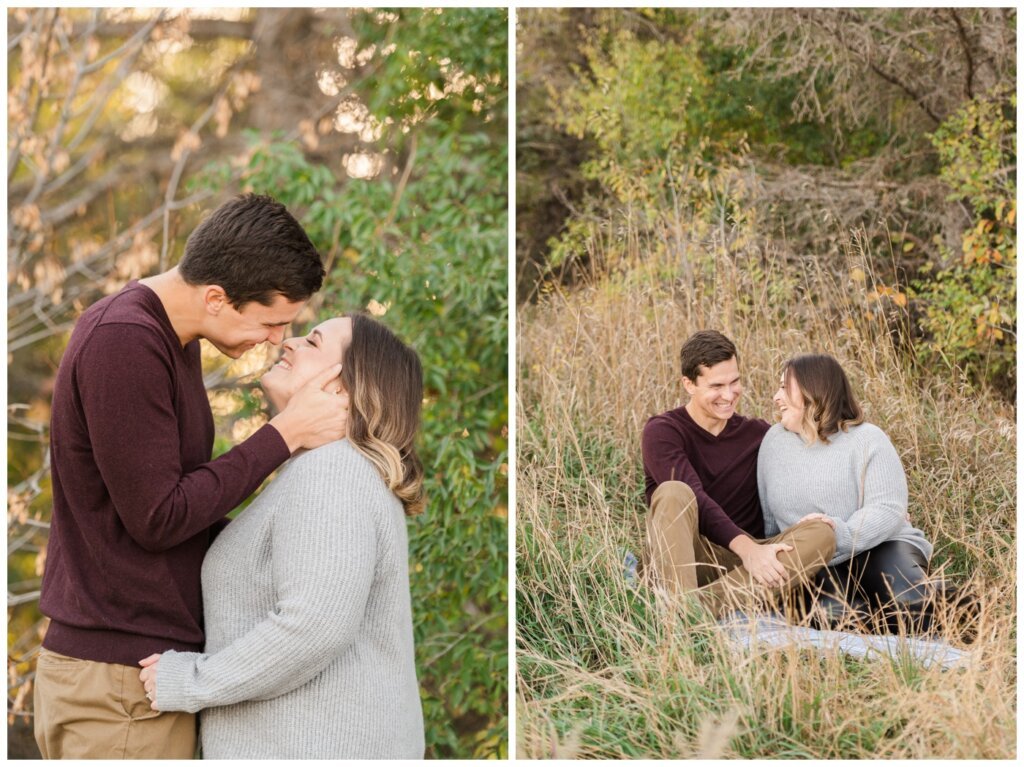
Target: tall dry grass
604 671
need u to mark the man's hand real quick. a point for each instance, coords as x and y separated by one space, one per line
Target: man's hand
761 559
817 515
316 414
148 677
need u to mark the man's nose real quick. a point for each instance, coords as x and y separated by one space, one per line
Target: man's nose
276 336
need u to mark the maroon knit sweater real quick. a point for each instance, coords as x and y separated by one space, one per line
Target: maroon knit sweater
134 490
720 469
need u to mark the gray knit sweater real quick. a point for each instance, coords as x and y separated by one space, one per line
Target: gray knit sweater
309 647
857 479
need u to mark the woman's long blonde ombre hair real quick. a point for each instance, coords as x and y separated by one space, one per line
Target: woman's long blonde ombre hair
384 381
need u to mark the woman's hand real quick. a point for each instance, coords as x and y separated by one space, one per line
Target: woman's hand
817 515
148 677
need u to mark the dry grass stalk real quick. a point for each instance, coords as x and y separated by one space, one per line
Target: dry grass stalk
604 670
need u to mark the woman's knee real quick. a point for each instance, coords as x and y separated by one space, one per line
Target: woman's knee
897 571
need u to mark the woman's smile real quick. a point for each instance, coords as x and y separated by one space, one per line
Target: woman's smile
302 358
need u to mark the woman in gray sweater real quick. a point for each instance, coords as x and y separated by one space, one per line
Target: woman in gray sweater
309 642
824 462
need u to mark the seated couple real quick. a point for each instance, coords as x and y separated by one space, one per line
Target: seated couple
813 509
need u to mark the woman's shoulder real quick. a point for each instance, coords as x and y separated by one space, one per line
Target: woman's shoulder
867 439
334 482
341 452
337 463
780 446
868 434
777 433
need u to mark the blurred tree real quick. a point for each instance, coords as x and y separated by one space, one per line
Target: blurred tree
913 67
385 134
548 160
632 88
794 125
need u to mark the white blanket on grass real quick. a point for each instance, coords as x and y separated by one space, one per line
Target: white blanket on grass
772 631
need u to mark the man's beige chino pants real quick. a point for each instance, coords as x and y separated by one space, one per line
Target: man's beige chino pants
90 710
685 561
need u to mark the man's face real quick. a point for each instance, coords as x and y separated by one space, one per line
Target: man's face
716 392
234 332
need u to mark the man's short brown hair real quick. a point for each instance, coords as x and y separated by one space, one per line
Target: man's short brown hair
254 249
707 348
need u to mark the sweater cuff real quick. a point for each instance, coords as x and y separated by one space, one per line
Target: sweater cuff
844 542
172 675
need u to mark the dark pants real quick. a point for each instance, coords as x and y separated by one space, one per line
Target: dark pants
883 589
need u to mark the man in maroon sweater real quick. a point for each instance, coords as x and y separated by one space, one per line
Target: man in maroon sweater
705 527
136 496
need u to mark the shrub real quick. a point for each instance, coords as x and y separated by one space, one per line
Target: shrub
970 311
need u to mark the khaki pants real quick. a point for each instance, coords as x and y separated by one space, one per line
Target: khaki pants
90 710
683 560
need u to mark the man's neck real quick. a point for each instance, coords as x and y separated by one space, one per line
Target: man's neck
179 300
713 426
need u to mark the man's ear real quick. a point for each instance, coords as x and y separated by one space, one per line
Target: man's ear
688 385
214 299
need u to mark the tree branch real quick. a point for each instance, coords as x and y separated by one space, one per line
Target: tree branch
34 299
199 29
136 39
15 154
965 42
65 115
400 189
102 94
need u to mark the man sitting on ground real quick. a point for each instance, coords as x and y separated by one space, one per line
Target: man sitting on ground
705 529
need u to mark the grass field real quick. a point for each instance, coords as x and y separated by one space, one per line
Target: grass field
603 670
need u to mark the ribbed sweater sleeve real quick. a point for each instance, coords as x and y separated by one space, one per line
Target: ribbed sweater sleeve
883 511
323 552
135 437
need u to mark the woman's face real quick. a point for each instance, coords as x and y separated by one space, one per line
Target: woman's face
303 358
790 403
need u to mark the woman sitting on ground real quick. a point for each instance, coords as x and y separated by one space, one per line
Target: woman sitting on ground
824 462
309 641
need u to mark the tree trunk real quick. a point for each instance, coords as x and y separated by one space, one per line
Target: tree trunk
289 51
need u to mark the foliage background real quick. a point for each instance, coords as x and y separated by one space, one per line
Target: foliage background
384 132
837 180
898 123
